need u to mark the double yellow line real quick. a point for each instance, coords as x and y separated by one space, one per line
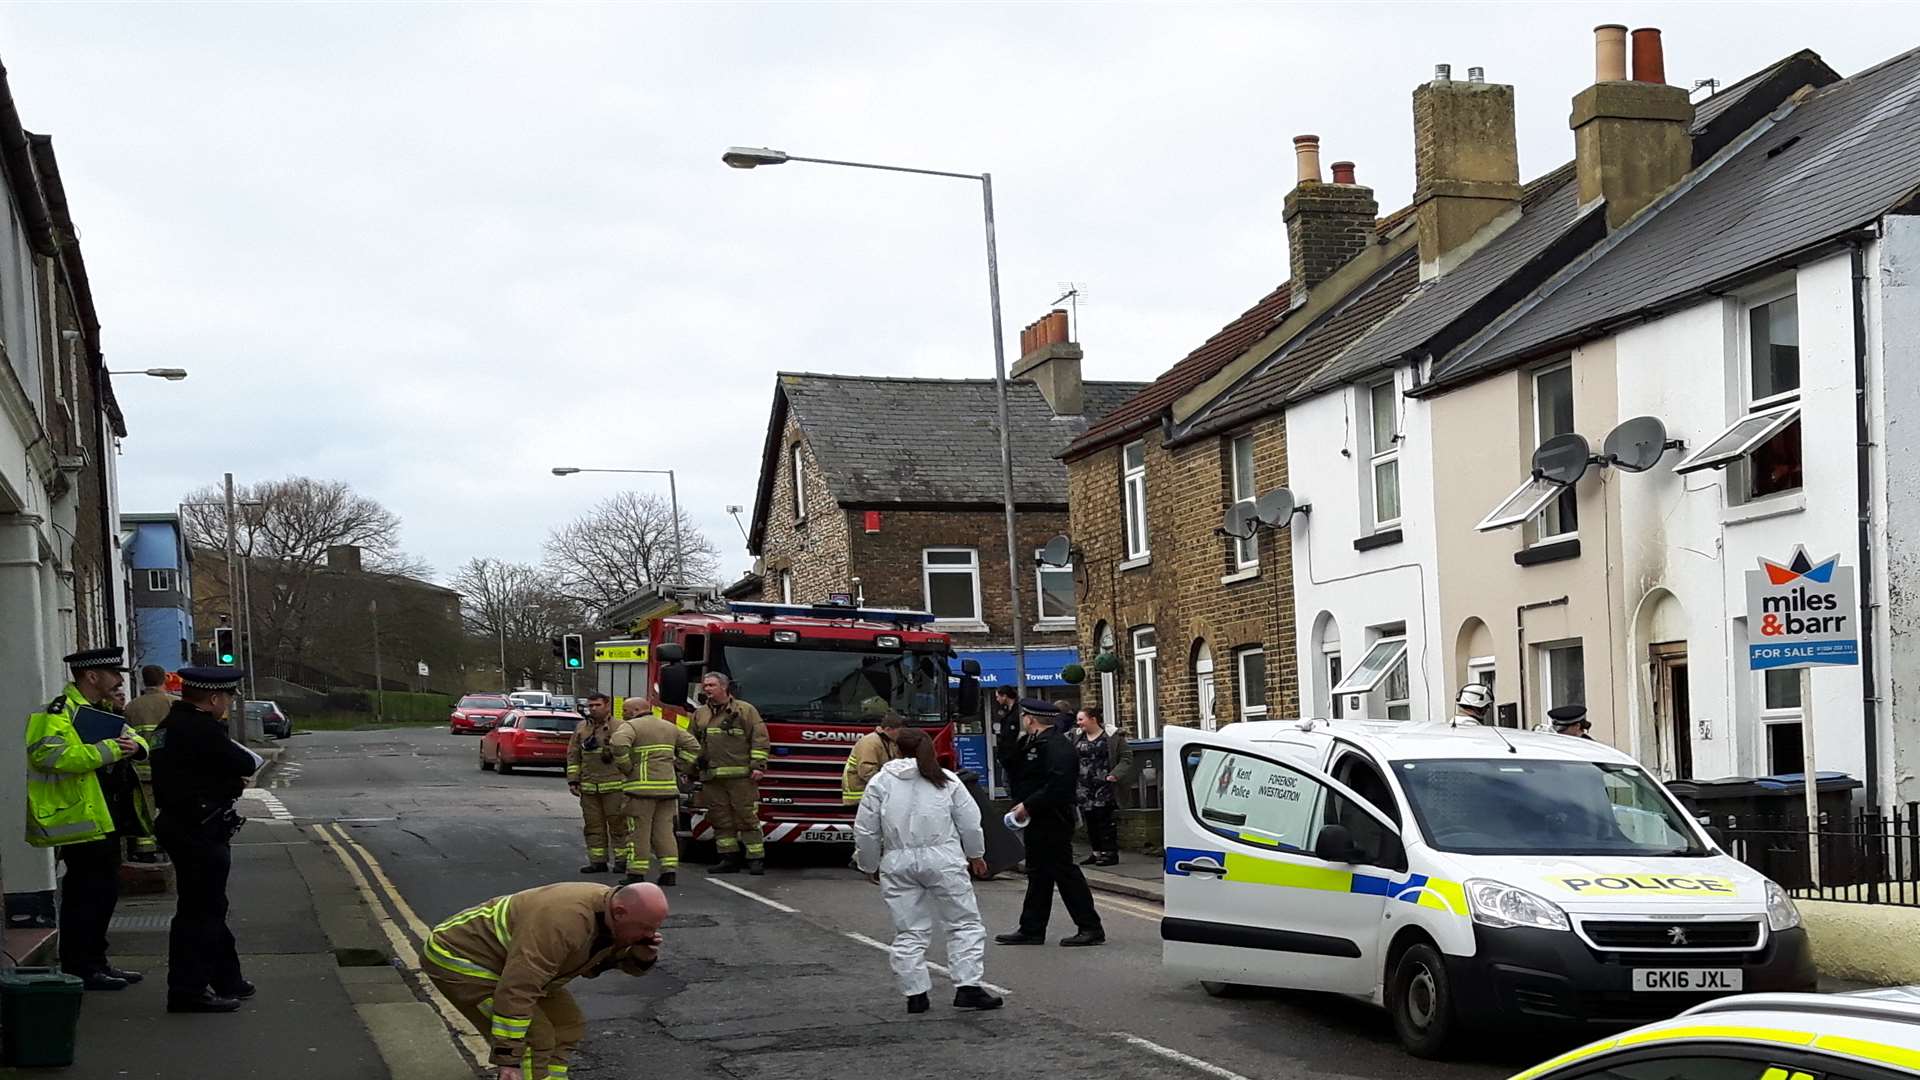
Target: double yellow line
405 949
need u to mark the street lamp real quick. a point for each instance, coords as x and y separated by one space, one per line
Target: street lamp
752 157
171 374
673 494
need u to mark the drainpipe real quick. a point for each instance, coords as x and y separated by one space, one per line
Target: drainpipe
1520 641
1863 470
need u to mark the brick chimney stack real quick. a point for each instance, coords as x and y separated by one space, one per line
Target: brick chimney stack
1052 363
1327 224
1466 166
1631 136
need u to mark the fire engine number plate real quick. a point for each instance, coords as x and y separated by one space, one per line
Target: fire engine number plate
824 836
1688 980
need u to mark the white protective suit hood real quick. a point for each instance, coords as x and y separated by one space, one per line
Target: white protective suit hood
905 822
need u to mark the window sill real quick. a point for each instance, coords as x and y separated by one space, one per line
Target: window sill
1052 626
960 626
1135 564
1238 576
1554 551
1791 502
1383 538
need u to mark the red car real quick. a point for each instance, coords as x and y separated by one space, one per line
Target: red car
477 714
528 737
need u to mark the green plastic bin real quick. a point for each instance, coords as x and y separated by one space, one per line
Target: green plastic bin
39 1014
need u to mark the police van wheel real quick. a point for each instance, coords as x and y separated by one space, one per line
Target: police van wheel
1421 1001
1222 989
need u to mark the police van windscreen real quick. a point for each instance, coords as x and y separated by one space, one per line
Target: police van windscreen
1507 807
826 685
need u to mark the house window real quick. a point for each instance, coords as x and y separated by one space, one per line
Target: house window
1384 439
786 586
1133 481
799 483
162 581
1057 600
1246 552
1780 714
1383 669
1337 707
1764 442
951 579
1146 681
1563 676
1250 671
1553 416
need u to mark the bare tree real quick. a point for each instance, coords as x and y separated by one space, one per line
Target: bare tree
516 609
623 545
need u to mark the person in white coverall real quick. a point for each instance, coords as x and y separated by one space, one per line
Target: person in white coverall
918 835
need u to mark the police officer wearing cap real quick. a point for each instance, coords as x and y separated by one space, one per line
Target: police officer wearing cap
68 810
1570 720
1043 791
198 772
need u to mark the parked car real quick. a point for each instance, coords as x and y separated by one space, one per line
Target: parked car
528 737
477 714
531 699
274 723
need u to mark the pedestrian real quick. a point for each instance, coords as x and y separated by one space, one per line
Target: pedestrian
144 714
68 810
505 964
1471 705
1006 733
734 744
874 750
918 835
598 781
652 752
1048 776
1105 761
198 772
1570 720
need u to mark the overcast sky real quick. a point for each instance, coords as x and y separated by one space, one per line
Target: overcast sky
436 250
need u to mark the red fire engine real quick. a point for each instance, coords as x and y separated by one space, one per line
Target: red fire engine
821 676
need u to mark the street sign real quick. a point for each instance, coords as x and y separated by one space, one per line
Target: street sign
603 654
1802 614
423 669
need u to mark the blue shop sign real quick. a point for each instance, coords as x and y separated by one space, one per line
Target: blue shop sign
996 665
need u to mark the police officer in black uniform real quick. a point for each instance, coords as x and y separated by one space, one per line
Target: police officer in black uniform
1006 733
1570 720
1043 791
198 772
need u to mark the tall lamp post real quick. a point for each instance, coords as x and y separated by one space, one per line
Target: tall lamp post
751 157
673 495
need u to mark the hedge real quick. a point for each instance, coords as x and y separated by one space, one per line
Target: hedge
398 705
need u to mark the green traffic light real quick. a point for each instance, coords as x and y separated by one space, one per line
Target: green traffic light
226 658
572 662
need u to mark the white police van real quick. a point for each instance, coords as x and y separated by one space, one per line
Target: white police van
1462 877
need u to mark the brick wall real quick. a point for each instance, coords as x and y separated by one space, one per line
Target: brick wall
814 550
888 563
1327 224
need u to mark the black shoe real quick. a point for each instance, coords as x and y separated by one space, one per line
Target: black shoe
974 997
1111 858
128 977
100 980
1085 937
669 879
1020 937
756 867
1091 860
239 991
206 1001
728 864
918 1003
594 868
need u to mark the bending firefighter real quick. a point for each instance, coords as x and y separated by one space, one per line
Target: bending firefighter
650 752
734 744
595 776
505 965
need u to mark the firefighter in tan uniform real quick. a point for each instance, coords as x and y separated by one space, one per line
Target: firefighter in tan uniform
652 751
874 749
144 714
505 964
733 742
595 775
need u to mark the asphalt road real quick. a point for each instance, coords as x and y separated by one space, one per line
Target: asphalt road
779 976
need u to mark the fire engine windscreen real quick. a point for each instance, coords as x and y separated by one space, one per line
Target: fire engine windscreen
854 686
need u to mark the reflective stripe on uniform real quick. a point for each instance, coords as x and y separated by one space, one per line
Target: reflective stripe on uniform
63 832
459 965
727 772
511 1027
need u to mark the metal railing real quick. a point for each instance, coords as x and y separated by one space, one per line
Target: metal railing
1866 857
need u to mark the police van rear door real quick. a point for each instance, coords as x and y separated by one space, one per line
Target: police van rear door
1247 899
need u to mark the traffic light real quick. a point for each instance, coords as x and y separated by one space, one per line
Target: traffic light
576 652
223 648
558 652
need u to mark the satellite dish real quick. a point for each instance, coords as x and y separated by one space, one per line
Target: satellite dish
1239 523
1563 459
1274 509
1636 445
1057 552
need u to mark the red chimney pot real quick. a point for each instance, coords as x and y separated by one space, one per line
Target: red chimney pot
1343 172
1649 58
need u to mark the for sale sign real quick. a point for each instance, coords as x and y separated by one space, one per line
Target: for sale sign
1802 613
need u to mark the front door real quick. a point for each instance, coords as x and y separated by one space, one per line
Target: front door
1203 687
1247 900
1673 719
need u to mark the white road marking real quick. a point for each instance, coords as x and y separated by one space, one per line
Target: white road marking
269 800
931 966
774 904
1171 1054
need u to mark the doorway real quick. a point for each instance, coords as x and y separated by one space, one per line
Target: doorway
1672 716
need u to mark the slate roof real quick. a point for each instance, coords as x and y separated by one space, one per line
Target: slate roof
1267 387
885 440
1746 101
1837 160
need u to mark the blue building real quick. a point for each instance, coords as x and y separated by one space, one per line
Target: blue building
160 590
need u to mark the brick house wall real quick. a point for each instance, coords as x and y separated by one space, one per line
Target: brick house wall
888 564
813 550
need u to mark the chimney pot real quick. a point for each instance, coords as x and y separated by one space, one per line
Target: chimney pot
1649 57
1477 74
1343 172
1306 154
1443 73
1057 327
1609 53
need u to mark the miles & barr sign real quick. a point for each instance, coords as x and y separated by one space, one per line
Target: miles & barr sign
1802 614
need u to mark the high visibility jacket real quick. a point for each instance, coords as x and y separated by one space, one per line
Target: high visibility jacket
652 749
733 739
65 804
872 751
590 759
144 714
527 945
